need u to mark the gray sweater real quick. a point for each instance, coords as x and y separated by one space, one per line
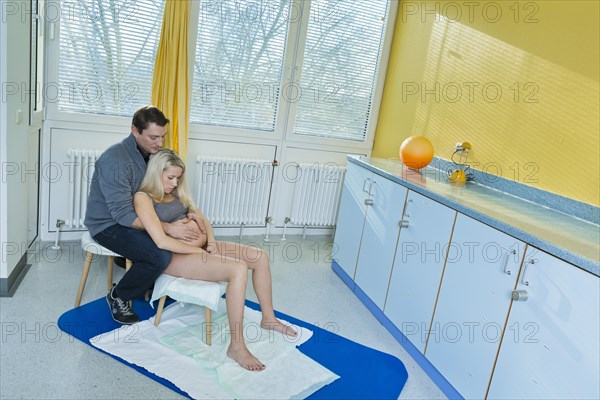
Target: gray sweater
117 176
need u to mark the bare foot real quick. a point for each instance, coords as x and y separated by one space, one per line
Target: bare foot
277 325
242 356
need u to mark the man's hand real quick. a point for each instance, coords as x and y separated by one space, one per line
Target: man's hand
183 229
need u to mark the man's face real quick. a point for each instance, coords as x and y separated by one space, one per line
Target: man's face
150 139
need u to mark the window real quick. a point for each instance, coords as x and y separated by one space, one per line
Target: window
239 63
241 48
107 52
341 60
292 68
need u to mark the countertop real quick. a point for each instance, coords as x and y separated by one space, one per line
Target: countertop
567 237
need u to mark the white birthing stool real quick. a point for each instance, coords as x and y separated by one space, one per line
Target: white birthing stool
91 247
203 293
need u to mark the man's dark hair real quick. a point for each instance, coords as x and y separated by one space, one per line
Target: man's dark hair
148 115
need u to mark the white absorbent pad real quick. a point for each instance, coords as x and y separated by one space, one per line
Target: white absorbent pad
192 291
175 351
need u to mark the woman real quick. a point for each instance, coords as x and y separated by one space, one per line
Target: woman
163 196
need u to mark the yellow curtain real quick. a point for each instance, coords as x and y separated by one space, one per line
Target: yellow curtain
170 86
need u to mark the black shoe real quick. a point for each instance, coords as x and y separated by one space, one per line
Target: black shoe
120 310
120 261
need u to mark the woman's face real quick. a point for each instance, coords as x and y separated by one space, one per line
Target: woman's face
170 178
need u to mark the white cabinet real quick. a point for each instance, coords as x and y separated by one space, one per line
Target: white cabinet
550 346
447 282
380 235
351 216
417 270
481 271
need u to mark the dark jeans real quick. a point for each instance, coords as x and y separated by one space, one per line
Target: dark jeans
148 260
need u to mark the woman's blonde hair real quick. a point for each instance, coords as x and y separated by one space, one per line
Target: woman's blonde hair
152 183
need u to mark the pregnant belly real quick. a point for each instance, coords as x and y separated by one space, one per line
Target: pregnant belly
200 242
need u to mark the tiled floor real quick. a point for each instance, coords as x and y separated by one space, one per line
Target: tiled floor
38 361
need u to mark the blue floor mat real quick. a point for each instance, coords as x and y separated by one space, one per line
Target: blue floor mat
364 373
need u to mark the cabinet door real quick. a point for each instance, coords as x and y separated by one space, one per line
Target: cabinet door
473 303
550 347
418 266
351 216
380 235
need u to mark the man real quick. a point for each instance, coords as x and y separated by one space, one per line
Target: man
112 221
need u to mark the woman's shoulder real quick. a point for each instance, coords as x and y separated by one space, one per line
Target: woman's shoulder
145 195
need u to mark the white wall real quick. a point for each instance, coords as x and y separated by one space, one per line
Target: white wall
14 132
3 137
60 136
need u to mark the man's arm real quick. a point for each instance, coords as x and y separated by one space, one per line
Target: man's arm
115 184
181 229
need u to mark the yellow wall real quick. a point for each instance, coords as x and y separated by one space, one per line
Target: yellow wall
519 81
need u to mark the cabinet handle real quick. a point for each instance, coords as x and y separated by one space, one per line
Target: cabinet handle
365 184
404 223
512 251
368 202
371 188
523 281
519 295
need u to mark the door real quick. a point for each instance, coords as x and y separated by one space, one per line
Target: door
380 236
351 216
418 266
550 346
481 271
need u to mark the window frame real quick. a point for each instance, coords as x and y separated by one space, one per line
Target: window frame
297 139
52 112
285 111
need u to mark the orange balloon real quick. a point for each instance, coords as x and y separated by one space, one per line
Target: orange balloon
416 152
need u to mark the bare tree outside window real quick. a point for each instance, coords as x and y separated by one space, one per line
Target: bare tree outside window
239 63
339 69
107 52
108 47
238 77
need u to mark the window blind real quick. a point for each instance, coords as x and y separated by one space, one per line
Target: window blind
106 56
342 55
239 62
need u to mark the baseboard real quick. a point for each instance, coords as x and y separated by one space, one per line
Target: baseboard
342 274
8 286
410 348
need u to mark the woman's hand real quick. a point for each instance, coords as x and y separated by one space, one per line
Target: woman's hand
181 229
211 247
198 219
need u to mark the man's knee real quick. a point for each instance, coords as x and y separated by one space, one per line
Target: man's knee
162 259
157 260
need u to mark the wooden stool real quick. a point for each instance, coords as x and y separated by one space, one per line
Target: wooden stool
207 316
91 247
202 293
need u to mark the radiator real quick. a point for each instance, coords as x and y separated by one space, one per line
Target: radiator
81 168
233 192
317 191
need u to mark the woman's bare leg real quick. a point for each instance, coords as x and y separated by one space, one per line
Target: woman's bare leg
258 261
215 268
